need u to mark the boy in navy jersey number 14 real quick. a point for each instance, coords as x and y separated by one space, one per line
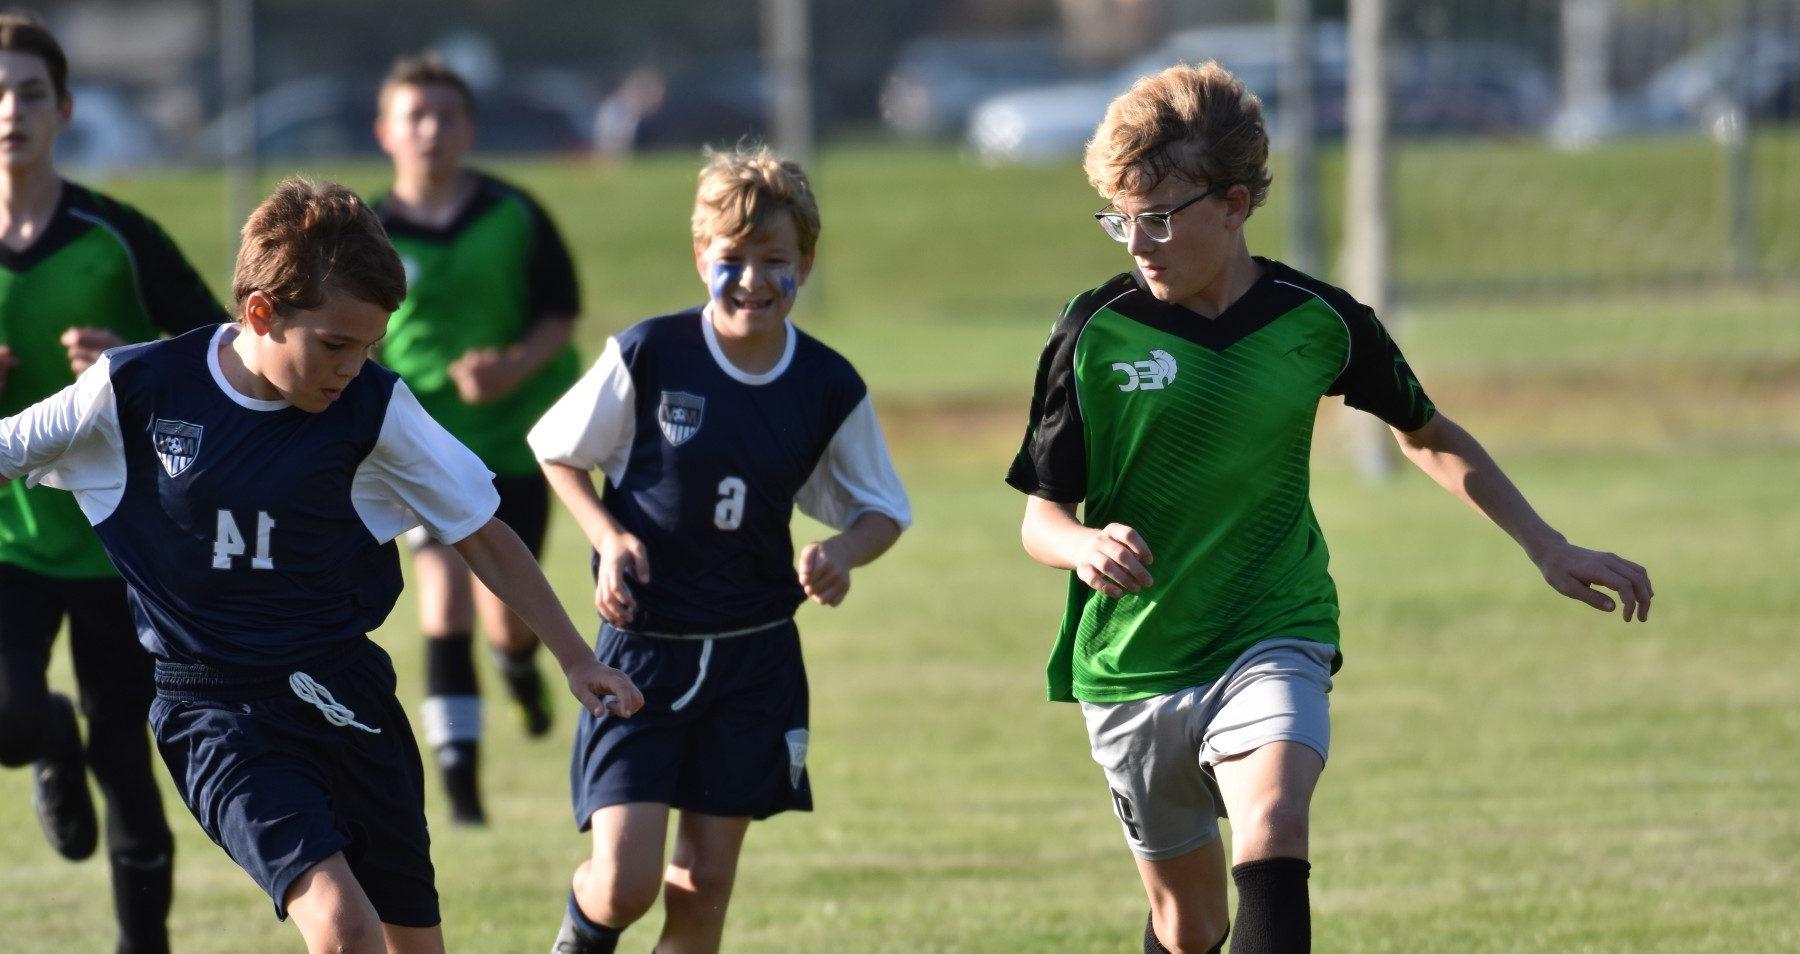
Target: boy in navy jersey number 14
711 424
248 480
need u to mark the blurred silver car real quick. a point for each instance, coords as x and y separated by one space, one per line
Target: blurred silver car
938 80
1053 122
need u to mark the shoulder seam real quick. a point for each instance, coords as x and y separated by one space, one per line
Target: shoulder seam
1349 337
137 289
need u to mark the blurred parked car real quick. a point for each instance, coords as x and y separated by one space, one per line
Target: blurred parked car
938 80
1439 86
1699 90
107 132
1053 122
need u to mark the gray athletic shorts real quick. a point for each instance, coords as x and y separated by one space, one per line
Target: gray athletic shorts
1158 752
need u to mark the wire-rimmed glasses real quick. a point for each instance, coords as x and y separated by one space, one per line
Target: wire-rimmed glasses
1155 225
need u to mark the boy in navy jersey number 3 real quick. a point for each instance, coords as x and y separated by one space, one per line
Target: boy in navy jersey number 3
248 479
711 424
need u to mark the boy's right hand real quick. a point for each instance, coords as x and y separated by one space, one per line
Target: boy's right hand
1112 560
623 559
603 689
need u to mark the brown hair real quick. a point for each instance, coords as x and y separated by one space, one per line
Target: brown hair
423 69
309 237
1195 122
740 191
23 32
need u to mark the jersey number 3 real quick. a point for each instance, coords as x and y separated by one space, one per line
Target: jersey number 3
728 514
230 542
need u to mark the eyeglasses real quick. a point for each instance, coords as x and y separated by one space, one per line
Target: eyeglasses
1155 225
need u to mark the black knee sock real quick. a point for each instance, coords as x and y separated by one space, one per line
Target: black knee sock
582 936
143 884
1273 915
453 720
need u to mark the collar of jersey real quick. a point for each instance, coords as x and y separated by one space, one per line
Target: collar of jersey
1263 302
736 373
218 376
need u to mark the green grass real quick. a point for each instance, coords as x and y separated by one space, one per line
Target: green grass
1510 771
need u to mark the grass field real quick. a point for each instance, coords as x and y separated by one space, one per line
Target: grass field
1510 771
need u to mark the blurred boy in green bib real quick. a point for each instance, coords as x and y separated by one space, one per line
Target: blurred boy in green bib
483 340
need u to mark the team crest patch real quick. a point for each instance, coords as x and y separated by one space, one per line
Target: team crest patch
679 415
177 444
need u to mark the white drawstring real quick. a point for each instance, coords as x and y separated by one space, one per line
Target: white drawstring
320 697
693 690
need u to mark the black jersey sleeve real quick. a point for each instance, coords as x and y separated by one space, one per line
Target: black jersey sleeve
550 271
1377 378
1052 462
174 296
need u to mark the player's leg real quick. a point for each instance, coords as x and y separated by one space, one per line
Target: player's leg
452 709
115 676
333 914
38 727
697 885
618 883
1268 794
525 507
1167 812
1266 746
1188 904
414 940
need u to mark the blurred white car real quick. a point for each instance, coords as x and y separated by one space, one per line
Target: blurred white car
1054 122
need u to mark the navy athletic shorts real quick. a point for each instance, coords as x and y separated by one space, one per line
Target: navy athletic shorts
282 770
722 731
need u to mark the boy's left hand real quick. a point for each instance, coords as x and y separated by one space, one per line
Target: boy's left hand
824 572
602 689
482 375
1573 571
85 345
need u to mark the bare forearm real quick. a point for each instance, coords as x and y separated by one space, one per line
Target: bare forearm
868 537
545 339
1453 458
575 488
504 565
1050 533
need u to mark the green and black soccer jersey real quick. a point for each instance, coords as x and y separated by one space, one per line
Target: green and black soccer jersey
482 282
1197 433
98 264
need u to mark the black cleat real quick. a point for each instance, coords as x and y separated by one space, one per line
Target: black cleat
65 809
458 760
530 695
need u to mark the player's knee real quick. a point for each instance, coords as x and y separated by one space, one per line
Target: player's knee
1279 824
710 882
616 900
1191 934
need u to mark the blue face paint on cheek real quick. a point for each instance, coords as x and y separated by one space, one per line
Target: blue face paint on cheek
786 280
721 277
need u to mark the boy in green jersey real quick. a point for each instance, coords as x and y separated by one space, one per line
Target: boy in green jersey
1175 405
79 273
483 340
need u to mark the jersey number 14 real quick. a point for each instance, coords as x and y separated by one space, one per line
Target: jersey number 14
230 542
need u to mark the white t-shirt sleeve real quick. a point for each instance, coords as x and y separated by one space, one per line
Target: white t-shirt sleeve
420 475
855 476
70 441
594 424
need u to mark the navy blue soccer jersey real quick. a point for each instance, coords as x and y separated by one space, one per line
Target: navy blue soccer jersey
250 532
705 463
